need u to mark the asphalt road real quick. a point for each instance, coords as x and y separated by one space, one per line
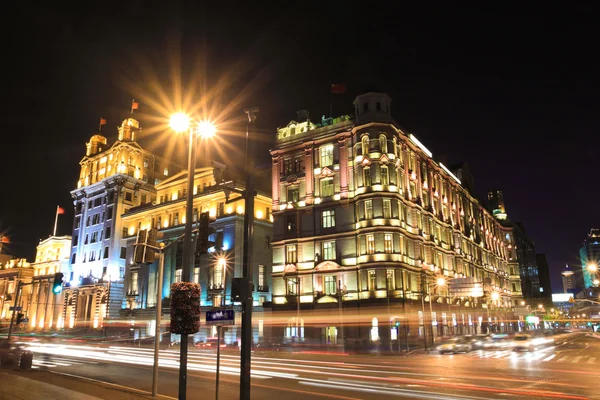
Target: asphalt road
566 369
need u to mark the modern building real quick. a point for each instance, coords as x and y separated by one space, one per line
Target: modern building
213 271
52 256
113 179
544 275
590 259
12 272
374 241
568 280
523 245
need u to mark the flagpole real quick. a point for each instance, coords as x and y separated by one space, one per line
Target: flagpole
55 221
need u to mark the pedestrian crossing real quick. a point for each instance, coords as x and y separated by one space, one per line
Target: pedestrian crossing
540 356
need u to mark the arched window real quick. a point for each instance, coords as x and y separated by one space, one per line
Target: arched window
365 107
365 145
378 106
383 143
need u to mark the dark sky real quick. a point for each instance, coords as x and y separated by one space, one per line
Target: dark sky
514 92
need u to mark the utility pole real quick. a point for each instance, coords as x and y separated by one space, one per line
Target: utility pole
249 194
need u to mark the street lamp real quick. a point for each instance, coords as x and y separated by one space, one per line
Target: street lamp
180 122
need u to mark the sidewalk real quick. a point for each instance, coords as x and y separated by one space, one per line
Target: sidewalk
27 385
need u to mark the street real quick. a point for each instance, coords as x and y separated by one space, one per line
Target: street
566 369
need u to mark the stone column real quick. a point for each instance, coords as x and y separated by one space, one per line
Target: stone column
343 154
309 172
276 172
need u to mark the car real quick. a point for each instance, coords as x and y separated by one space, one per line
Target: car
497 342
10 353
456 345
526 342
210 343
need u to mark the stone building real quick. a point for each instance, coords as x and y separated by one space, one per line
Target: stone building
376 242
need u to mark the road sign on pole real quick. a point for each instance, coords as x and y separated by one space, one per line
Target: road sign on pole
220 317
17 308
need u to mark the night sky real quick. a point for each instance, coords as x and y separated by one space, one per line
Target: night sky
513 92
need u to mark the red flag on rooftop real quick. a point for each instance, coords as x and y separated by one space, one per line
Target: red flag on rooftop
4 239
102 121
134 105
338 88
60 210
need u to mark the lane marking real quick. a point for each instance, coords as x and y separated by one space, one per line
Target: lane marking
563 358
591 360
576 359
549 357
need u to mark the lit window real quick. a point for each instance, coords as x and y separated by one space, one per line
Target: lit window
374 329
327 187
166 171
293 195
291 254
367 176
387 243
385 180
326 153
328 250
390 279
372 282
329 285
383 143
370 244
387 208
292 285
328 218
365 145
369 209
178 275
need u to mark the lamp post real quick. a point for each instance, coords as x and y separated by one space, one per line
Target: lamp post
440 282
180 123
246 345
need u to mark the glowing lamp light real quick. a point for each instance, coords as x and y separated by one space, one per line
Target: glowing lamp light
179 122
495 296
441 282
596 282
592 268
206 129
259 214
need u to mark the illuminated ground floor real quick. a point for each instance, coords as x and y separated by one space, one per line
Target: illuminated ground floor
386 325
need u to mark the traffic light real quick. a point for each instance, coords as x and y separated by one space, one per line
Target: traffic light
397 324
204 231
144 251
20 317
57 283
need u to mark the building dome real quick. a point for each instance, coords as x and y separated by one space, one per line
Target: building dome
96 145
128 129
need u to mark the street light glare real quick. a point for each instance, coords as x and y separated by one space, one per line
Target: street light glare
592 268
206 129
495 296
441 281
179 122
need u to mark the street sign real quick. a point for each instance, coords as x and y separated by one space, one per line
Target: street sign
13 308
220 317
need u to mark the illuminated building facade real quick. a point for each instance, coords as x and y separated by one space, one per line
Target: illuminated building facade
213 271
522 253
366 223
568 279
113 179
590 259
11 272
52 256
